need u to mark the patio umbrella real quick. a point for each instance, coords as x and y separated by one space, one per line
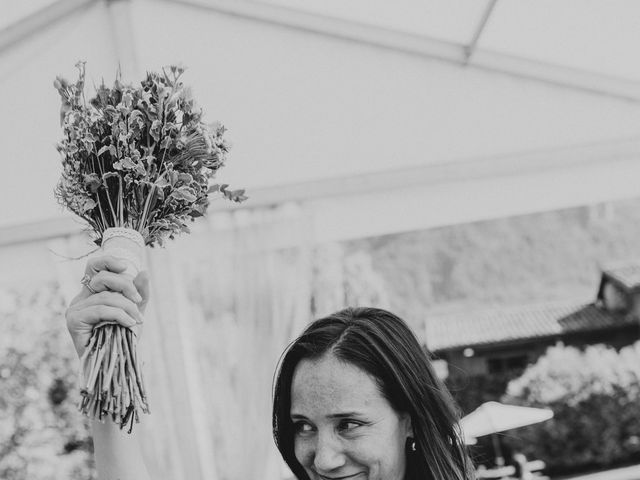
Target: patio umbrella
493 417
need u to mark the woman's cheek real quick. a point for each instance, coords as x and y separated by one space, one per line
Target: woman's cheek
302 451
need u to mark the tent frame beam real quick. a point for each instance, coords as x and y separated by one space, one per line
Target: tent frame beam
470 49
42 19
616 156
420 45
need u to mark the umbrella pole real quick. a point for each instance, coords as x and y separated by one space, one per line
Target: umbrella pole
497 450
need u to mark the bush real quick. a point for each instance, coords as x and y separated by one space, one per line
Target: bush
42 435
595 397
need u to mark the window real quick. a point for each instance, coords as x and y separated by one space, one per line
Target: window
507 364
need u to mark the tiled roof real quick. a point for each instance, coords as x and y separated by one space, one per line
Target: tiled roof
628 274
474 328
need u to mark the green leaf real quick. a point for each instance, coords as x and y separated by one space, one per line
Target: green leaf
128 163
162 182
91 182
106 148
184 193
185 178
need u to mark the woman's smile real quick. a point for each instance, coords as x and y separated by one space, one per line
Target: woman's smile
344 477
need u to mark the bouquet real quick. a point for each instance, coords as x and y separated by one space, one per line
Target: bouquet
137 163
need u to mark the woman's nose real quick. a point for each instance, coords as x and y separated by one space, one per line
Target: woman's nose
328 454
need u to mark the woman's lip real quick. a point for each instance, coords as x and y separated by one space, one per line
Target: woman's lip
342 477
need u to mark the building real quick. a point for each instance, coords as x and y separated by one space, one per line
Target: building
504 340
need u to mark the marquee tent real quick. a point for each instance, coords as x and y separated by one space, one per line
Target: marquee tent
476 105
348 119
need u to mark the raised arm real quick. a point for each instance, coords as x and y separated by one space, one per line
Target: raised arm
110 296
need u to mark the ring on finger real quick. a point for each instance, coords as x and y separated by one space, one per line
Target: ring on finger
86 281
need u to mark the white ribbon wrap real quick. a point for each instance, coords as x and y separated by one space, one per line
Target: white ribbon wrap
127 245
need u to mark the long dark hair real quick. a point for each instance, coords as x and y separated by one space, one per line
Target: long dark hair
381 344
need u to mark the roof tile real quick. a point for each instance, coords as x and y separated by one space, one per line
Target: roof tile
472 328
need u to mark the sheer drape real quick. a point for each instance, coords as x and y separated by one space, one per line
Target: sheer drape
227 300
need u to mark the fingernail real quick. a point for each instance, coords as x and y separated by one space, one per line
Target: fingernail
138 297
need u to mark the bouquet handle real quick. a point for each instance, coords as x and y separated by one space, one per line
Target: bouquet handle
127 245
112 382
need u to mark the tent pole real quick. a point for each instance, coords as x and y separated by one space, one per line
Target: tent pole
469 49
124 44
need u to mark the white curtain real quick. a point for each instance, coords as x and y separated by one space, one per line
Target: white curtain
227 299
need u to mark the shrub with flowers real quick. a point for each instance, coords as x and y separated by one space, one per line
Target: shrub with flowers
595 396
41 435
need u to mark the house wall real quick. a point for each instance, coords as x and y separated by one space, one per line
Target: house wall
461 366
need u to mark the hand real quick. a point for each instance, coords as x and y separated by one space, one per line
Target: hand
117 298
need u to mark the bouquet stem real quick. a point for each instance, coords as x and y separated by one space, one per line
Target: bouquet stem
112 383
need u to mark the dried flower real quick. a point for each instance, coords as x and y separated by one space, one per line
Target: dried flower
138 157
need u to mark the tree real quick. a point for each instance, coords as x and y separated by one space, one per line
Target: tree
42 435
595 396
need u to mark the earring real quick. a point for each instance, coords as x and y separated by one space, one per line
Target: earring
412 444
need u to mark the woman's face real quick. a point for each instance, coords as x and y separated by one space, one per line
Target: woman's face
344 427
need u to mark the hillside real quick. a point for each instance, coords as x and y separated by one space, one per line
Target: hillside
519 260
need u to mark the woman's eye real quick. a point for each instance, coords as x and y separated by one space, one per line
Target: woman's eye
302 427
349 425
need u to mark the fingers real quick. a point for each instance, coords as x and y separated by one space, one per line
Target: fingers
104 262
110 295
115 282
105 273
141 282
104 313
105 306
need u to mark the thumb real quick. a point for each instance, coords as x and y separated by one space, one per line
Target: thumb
141 283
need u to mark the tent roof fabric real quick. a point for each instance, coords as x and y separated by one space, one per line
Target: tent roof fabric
503 325
576 34
486 34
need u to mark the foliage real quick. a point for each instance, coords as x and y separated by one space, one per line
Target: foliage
518 260
138 157
41 434
595 396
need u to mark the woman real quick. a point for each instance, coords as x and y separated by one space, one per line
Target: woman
355 396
